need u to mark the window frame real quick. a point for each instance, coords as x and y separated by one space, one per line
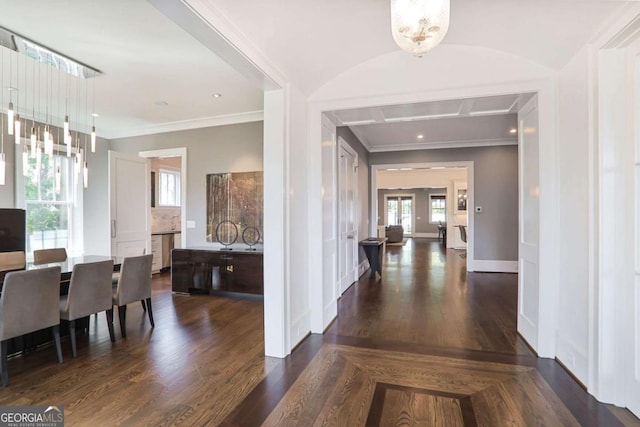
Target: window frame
437 196
177 187
74 202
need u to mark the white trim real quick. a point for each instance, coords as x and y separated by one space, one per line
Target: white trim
204 122
362 267
299 328
442 144
182 152
547 102
495 266
425 235
342 144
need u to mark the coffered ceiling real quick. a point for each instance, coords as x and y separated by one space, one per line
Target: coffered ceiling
470 122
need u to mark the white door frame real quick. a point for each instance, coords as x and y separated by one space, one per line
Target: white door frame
175 152
613 299
373 221
342 144
413 210
547 108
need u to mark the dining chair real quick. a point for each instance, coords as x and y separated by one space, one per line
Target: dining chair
134 284
29 303
12 260
90 292
45 256
116 275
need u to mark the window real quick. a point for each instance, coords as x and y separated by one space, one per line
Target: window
437 208
53 209
169 188
399 210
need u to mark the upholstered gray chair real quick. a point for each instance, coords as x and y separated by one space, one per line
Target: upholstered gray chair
116 275
90 292
134 285
12 260
29 302
45 256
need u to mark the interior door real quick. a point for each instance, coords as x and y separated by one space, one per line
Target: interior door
130 208
529 233
347 214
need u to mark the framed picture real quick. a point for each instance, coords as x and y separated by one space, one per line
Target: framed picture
460 194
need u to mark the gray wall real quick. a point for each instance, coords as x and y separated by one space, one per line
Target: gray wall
422 224
232 148
496 190
364 183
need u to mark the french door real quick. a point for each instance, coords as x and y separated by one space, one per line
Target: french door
399 210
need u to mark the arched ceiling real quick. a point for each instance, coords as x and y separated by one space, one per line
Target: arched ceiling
313 41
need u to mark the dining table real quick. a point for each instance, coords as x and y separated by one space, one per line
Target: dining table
66 266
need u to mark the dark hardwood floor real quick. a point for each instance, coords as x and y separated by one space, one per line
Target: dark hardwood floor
426 344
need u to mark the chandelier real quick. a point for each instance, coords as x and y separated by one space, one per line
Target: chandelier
45 89
419 25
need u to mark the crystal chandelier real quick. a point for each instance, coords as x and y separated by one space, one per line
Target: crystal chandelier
419 25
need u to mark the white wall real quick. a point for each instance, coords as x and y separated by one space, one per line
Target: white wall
575 154
297 217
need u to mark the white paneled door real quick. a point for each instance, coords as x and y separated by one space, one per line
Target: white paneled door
529 233
130 212
347 216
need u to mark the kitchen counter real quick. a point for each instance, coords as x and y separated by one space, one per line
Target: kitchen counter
160 233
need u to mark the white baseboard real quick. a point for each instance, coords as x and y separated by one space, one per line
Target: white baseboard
427 235
495 266
300 328
362 267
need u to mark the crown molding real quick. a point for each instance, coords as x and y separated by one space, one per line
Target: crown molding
226 119
443 144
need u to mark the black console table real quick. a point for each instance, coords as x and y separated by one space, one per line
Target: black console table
373 249
203 270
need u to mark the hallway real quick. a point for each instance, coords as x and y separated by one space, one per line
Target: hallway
426 344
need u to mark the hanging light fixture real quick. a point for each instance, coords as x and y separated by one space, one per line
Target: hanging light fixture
17 129
419 25
25 161
41 139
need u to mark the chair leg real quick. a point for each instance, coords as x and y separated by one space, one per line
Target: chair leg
3 364
144 307
150 313
56 339
72 334
110 324
122 314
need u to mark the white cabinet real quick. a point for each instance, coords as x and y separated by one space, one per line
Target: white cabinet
156 250
177 240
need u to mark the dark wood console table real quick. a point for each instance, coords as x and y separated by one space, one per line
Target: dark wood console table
202 270
373 248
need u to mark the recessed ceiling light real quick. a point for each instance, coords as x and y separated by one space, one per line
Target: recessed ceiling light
420 136
161 103
95 115
217 95
513 130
